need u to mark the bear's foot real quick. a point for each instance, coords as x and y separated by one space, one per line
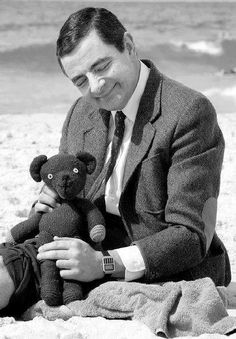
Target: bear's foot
72 291
51 284
51 295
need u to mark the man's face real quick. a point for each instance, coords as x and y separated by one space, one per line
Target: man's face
104 76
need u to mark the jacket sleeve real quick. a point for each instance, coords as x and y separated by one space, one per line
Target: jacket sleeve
196 155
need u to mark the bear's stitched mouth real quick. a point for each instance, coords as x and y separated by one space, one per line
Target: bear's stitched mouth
65 192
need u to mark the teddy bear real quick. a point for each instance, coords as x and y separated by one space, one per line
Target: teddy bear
75 217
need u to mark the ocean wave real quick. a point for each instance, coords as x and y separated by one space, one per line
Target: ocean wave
211 47
229 92
37 57
201 47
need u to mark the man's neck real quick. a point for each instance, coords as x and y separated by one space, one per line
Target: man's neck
131 107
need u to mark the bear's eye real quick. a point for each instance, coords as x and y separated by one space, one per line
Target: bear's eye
75 170
50 176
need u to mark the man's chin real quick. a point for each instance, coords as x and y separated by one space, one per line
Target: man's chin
113 103
111 106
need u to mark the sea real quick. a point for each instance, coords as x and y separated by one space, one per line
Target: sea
192 42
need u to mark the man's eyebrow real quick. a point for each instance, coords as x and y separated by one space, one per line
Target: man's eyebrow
99 61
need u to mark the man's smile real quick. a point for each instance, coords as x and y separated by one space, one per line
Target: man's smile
105 96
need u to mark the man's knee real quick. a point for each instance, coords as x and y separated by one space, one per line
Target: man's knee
6 285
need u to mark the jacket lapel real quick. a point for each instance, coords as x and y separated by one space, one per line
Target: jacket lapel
143 131
95 140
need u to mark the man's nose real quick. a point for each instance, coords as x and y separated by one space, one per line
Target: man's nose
96 85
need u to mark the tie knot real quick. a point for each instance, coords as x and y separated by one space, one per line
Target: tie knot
119 118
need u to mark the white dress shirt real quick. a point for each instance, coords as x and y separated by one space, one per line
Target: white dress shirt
130 256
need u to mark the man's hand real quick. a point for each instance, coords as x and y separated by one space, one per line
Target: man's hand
75 258
47 200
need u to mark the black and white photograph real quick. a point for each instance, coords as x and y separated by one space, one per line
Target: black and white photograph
118 169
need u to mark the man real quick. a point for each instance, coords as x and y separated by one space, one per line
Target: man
160 199
165 184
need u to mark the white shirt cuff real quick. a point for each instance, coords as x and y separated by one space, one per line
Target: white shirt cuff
133 262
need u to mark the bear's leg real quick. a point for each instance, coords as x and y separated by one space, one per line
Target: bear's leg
50 283
72 290
51 280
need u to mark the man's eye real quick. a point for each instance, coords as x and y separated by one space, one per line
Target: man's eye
102 67
80 83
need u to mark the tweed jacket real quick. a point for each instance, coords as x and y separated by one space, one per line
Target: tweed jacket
171 179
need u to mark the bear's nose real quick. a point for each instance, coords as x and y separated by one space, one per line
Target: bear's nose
65 177
66 180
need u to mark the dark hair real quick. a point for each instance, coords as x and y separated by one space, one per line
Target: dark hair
82 22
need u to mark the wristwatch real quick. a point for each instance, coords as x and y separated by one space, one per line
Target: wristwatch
108 263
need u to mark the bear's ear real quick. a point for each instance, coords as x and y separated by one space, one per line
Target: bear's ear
88 159
36 165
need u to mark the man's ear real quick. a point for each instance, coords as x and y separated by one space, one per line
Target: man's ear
88 159
36 165
129 44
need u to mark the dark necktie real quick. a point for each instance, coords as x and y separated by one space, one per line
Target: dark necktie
116 142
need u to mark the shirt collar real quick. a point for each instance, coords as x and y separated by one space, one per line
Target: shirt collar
131 108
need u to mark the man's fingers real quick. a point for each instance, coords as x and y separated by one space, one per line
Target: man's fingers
64 264
48 191
68 242
55 245
69 274
47 200
53 255
56 238
42 208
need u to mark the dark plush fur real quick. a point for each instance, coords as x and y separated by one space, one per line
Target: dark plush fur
75 217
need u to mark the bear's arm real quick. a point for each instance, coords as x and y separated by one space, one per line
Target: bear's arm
25 230
94 217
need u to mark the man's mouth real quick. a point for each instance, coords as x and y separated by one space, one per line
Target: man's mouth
105 95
